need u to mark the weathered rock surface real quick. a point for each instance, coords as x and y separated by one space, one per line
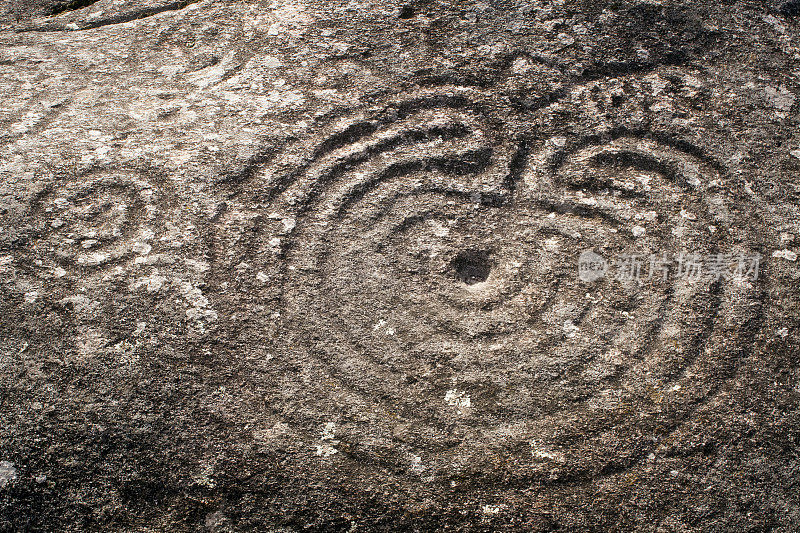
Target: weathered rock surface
313 266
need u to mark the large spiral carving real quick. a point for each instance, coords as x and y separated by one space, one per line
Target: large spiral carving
428 282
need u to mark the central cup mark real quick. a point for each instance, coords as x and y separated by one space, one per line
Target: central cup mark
472 266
